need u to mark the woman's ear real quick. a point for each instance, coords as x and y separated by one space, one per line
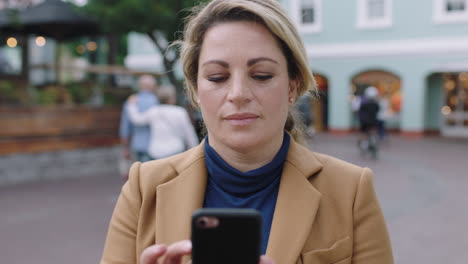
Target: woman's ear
293 85
194 97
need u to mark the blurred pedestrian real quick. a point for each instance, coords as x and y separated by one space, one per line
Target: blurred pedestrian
368 120
135 138
355 104
245 66
171 129
368 110
382 117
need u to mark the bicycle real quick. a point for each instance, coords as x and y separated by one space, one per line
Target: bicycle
370 145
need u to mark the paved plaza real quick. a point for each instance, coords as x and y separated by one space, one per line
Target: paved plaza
422 185
423 188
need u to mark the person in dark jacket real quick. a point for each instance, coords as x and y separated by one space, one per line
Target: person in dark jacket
368 110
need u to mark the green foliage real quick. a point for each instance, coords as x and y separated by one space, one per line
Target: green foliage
69 94
79 92
49 96
76 93
122 48
143 16
164 17
7 89
116 96
10 92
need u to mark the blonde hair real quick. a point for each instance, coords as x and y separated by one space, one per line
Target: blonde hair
265 12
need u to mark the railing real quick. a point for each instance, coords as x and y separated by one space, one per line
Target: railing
36 129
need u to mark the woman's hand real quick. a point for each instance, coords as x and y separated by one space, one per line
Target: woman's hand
173 254
265 260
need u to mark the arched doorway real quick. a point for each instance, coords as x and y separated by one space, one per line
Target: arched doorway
455 104
320 106
314 110
389 87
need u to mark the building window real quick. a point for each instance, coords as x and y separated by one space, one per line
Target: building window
454 6
374 13
376 9
450 11
11 50
308 11
307 15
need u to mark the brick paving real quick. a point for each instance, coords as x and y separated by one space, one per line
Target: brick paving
421 183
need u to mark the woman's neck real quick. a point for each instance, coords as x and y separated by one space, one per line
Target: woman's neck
247 160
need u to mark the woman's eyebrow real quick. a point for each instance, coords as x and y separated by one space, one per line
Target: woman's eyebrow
256 60
219 62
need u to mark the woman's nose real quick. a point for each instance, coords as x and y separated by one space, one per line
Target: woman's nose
239 90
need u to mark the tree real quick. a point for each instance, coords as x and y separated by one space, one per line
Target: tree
160 20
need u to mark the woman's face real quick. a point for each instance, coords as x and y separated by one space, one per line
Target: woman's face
243 86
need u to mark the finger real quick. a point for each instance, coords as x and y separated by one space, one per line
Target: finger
151 254
266 260
176 251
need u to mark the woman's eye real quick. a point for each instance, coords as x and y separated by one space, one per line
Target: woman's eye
217 79
262 77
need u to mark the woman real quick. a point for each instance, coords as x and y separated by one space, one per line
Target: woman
171 129
245 65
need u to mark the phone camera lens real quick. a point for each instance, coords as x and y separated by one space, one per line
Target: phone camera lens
202 222
207 222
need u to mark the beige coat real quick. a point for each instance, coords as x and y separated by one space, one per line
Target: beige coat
326 212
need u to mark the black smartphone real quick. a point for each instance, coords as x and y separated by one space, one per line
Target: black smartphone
226 235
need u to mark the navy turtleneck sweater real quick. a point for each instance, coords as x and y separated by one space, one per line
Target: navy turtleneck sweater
228 187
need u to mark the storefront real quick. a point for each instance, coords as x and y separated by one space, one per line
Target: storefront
455 104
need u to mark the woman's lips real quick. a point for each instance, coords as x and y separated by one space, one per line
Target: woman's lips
241 119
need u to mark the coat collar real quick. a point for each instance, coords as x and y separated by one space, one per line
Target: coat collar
295 209
177 199
296 206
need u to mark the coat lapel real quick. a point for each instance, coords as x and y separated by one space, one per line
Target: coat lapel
177 199
296 206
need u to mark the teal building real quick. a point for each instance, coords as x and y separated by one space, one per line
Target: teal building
415 52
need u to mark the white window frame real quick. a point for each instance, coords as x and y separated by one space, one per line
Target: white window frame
366 22
441 16
296 13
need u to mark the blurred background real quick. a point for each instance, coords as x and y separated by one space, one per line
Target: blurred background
67 67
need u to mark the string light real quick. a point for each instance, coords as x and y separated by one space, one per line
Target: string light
446 110
40 41
12 42
91 46
80 49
